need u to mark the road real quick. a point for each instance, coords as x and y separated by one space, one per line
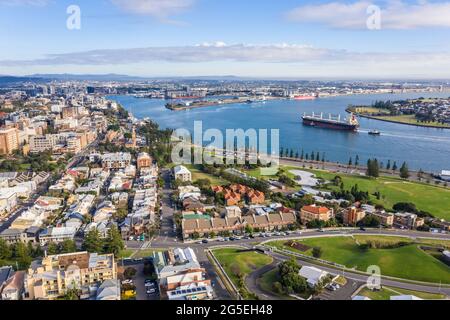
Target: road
363 278
251 281
160 243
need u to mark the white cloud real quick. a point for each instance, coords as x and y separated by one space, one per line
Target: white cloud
205 52
278 59
395 14
156 8
38 3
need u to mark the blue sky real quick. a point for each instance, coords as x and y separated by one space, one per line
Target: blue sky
261 38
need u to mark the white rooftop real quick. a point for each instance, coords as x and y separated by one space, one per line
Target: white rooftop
405 297
181 170
312 274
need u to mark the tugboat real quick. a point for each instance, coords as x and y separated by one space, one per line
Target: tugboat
374 132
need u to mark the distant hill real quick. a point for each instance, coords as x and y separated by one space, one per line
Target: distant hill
121 77
5 80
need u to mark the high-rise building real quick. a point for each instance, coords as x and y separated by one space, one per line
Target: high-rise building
9 140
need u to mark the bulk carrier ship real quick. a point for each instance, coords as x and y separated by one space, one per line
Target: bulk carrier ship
350 124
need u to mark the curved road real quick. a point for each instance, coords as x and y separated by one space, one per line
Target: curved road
165 242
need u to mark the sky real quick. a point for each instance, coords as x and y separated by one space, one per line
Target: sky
324 39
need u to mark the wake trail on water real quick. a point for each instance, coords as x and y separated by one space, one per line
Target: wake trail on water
411 136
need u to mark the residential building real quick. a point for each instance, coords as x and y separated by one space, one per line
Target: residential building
180 275
144 160
56 235
9 140
6 273
386 219
109 290
313 212
42 143
408 220
54 275
13 288
204 225
119 160
182 173
353 215
233 212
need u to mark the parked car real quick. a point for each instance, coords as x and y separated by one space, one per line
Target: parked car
204 241
151 290
331 287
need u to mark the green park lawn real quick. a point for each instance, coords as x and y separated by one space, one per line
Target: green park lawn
386 292
433 199
411 119
197 174
407 262
135 253
237 263
266 283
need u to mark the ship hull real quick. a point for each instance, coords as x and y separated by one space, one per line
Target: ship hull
329 125
305 98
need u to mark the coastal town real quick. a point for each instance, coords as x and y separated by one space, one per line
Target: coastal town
427 112
92 208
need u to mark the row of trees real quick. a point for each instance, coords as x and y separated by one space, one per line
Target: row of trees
373 168
313 156
19 254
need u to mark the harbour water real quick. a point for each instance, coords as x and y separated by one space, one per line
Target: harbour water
426 148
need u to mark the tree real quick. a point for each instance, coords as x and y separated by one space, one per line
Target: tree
370 221
405 207
404 171
93 242
129 273
317 252
52 248
288 266
394 167
22 255
302 156
114 243
373 168
68 246
72 294
350 162
388 166
249 229
120 214
5 250
357 161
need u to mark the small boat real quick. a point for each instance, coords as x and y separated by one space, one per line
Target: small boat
374 132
